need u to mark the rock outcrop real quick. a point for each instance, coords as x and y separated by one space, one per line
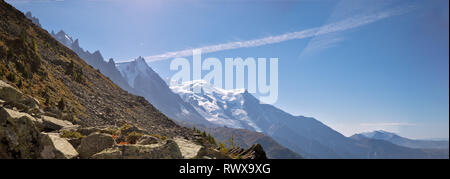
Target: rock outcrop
188 149
95 143
168 150
51 123
14 98
254 152
55 147
19 135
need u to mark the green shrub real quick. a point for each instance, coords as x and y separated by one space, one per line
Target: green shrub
72 135
124 128
223 148
23 37
2 73
19 83
78 76
111 130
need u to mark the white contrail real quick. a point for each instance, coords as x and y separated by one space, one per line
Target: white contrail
329 28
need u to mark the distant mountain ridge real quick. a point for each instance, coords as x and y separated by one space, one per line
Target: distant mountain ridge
94 59
402 141
304 135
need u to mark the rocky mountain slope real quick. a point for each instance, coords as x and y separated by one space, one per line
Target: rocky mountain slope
137 78
51 96
41 67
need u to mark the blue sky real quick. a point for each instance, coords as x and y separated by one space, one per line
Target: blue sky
390 73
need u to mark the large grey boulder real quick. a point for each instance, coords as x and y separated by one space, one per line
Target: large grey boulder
51 123
167 150
9 93
188 148
19 135
94 143
15 98
55 147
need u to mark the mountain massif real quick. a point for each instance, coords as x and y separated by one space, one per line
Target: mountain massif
303 135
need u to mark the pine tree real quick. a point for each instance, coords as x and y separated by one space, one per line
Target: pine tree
36 63
223 148
204 134
211 139
232 142
23 37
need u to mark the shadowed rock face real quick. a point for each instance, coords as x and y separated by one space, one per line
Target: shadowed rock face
254 152
19 135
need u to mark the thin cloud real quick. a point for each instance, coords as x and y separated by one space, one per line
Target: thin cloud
343 25
322 42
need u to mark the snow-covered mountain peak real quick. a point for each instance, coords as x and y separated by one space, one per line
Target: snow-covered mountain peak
217 105
207 88
379 134
63 38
